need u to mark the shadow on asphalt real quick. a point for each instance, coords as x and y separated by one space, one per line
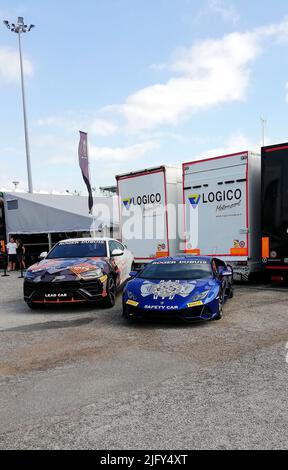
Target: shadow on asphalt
165 323
114 315
53 325
109 316
64 308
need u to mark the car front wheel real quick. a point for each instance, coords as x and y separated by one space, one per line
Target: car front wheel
110 299
33 306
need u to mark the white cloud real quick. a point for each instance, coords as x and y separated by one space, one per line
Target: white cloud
211 72
9 65
72 122
223 8
121 154
6 181
237 142
54 149
65 152
102 127
66 123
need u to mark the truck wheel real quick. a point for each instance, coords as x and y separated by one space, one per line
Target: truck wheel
109 301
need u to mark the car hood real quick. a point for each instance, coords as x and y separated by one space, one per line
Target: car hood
64 269
176 293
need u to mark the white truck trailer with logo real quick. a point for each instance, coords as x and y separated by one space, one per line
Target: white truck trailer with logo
222 215
148 205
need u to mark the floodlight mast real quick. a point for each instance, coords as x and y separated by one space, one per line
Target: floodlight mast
19 28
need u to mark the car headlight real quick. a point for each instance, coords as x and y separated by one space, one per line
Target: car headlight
29 275
201 296
95 273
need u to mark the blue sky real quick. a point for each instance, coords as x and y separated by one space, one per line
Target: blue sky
152 82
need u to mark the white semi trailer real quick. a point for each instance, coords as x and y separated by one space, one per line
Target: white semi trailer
222 215
148 206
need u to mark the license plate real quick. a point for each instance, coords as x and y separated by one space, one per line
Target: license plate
195 304
61 295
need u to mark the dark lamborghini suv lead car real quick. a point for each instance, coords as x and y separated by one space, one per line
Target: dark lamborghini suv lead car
78 271
185 287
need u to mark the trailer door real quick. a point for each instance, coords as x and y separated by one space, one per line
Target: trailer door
216 208
143 219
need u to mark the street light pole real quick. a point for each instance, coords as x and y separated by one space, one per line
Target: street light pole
264 123
29 173
20 28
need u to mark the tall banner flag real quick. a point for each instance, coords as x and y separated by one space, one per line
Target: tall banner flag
84 165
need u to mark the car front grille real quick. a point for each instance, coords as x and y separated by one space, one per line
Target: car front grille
195 313
88 290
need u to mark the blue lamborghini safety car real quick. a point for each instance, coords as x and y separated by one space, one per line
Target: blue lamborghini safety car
184 287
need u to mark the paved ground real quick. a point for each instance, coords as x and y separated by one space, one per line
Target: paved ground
86 379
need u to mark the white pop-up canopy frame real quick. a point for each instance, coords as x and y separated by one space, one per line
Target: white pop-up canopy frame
27 213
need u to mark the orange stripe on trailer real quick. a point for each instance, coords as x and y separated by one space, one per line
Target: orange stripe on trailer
195 252
265 247
239 252
162 254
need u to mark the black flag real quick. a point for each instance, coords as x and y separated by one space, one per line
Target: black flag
84 165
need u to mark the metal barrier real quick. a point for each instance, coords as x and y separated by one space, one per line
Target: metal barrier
5 265
21 268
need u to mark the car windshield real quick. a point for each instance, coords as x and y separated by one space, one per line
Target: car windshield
78 249
175 270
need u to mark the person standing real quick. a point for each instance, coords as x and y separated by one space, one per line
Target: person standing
11 248
20 254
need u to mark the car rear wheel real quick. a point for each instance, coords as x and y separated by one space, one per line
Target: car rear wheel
231 293
220 306
110 299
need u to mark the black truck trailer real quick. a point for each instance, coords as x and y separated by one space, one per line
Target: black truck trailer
275 211
2 233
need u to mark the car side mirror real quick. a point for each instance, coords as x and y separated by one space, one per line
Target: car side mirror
117 252
43 254
226 273
133 274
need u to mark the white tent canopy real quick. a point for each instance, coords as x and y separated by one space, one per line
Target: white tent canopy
27 213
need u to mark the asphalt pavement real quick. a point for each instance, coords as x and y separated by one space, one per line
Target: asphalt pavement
85 379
